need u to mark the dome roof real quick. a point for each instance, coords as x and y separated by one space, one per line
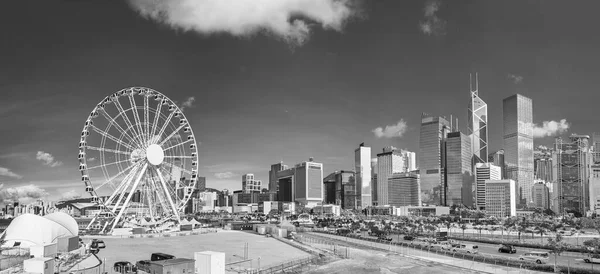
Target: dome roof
30 229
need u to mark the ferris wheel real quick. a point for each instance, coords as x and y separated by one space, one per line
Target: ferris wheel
138 159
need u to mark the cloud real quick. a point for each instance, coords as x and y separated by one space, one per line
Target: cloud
290 20
71 194
91 159
391 131
433 25
48 159
224 175
6 172
188 103
550 128
515 78
21 194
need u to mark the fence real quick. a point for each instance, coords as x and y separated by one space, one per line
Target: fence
11 257
295 266
157 235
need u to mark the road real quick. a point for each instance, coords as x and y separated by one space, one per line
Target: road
492 250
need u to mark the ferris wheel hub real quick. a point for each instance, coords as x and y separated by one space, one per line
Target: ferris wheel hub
155 154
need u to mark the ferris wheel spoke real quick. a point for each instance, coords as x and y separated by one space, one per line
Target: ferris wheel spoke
179 157
167 121
126 203
128 122
136 118
117 126
147 119
116 176
156 116
113 138
174 166
180 144
164 185
108 150
172 192
157 190
120 190
105 165
172 134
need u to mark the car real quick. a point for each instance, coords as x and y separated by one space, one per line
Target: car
124 267
98 244
504 248
409 238
268 235
384 238
538 257
592 258
466 248
143 265
160 257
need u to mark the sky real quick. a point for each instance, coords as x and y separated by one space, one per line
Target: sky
284 80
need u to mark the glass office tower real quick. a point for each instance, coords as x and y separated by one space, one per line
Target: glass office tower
431 158
477 126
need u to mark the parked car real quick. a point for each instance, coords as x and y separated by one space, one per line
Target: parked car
268 235
124 267
466 248
535 256
384 238
160 257
98 244
504 248
143 265
409 238
592 258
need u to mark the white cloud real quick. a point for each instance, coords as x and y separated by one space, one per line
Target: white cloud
91 159
8 173
71 194
515 78
550 128
188 103
224 175
48 159
290 20
21 194
391 131
433 25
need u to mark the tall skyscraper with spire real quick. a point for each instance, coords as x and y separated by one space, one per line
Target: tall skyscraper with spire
477 124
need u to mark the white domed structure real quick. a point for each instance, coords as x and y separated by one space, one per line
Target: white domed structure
30 230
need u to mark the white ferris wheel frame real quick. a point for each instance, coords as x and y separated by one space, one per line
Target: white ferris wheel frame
141 136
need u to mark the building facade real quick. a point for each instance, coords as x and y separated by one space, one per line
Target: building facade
500 198
273 176
542 167
458 187
497 158
374 181
340 189
404 189
362 165
517 111
541 195
308 183
389 162
250 184
477 125
432 138
573 162
484 172
595 187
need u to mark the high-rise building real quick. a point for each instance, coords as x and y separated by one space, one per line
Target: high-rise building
340 189
389 162
250 184
374 181
432 138
457 190
497 158
308 183
542 168
483 172
541 195
477 125
500 198
404 189
517 113
596 147
273 175
573 161
362 165
595 187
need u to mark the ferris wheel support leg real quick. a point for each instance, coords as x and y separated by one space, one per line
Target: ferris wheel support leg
91 222
124 207
121 189
164 185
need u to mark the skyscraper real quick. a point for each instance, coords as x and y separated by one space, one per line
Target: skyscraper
477 125
517 113
500 198
308 183
389 162
483 172
541 195
432 138
362 164
573 162
458 188
273 176
596 147
404 189
497 158
542 167
374 181
250 184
